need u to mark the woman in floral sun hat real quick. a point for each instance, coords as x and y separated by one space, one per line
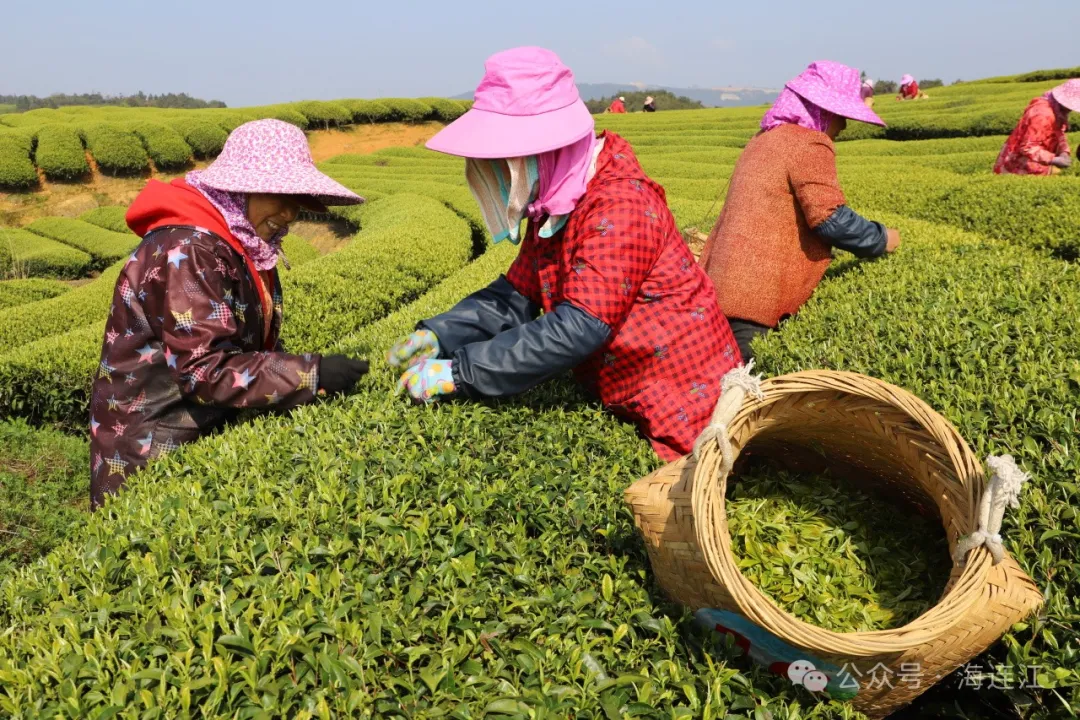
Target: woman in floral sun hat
194 331
604 284
1038 145
785 211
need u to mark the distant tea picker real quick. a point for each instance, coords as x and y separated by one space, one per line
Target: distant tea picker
909 89
604 284
617 106
785 211
1038 145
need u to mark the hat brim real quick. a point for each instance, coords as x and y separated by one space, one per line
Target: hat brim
488 135
302 181
1068 99
852 108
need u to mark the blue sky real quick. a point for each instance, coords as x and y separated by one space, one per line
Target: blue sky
247 52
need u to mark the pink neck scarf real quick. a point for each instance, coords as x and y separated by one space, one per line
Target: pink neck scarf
233 207
790 107
564 174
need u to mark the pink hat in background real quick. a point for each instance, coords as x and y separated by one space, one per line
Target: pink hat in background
1068 94
526 104
836 88
906 80
271 156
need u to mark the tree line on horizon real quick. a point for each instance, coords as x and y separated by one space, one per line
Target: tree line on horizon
181 101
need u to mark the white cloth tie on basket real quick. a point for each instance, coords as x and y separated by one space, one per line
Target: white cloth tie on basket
734 387
1001 492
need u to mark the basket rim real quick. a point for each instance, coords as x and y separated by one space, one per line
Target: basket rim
709 509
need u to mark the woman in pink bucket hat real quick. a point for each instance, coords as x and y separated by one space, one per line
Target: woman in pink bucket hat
785 211
1038 145
909 89
604 283
194 332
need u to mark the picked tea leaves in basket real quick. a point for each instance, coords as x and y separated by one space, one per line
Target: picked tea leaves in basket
874 437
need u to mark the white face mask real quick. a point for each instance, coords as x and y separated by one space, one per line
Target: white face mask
504 189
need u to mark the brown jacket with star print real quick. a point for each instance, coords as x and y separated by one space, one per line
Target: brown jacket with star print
192 337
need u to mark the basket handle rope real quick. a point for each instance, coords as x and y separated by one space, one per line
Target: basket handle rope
734 387
1003 491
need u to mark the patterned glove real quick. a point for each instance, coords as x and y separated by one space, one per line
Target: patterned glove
413 348
427 379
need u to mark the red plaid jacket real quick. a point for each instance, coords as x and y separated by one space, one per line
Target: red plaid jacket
621 259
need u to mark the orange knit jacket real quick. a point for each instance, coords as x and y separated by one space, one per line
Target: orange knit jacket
762 255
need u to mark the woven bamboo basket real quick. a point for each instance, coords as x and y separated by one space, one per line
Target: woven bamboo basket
870 432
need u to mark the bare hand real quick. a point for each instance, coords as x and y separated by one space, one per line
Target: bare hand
1062 161
893 241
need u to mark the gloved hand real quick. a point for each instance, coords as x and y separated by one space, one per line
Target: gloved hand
1062 161
338 373
418 346
427 379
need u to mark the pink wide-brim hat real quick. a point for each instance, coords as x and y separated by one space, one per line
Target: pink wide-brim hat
1068 94
271 156
834 87
526 104
906 80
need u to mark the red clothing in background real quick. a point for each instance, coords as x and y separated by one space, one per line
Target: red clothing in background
1037 139
617 107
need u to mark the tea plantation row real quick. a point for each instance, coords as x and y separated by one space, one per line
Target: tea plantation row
362 556
121 139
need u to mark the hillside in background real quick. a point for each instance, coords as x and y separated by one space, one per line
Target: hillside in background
708 97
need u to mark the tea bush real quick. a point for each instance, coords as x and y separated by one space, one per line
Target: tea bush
48 381
381 559
16 169
407 109
383 267
165 146
369 111
60 153
297 251
20 292
24 254
104 246
324 113
43 491
205 137
110 217
116 151
89 303
1040 214
286 113
445 111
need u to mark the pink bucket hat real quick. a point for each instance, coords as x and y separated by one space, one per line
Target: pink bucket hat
526 104
271 156
1068 94
836 88
906 80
